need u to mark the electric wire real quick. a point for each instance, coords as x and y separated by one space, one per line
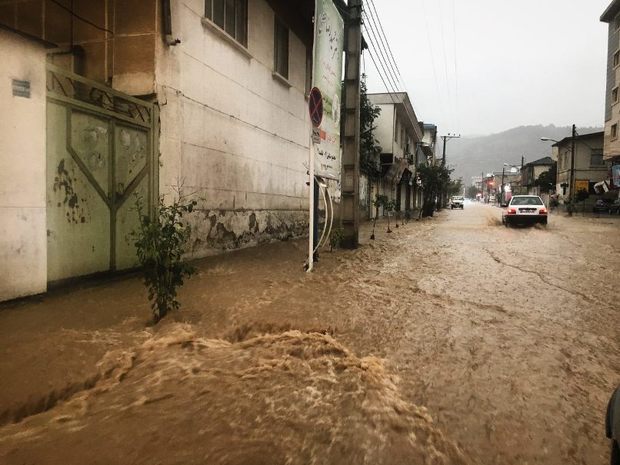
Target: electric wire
382 57
387 43
81 18
456 70
380 65
445 61
390 93
440 96
383 42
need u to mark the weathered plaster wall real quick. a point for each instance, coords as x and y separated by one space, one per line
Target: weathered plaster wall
385 128
231 133
23 256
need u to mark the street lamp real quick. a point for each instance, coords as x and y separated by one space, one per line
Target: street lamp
513 169
572 162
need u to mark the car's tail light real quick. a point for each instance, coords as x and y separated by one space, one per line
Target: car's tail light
512 211
542 211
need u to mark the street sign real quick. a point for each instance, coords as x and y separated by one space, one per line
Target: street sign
316 135
315 106
582 185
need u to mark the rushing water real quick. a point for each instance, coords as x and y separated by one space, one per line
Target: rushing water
451 341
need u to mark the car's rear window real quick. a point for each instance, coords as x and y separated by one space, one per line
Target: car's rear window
526 201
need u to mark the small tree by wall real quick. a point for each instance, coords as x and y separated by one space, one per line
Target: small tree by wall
160 243
370 150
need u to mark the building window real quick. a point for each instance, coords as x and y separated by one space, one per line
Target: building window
596 158
614 131
396 131
616 58
614 95
280 47
231 16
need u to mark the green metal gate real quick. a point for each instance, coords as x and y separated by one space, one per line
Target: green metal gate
100 155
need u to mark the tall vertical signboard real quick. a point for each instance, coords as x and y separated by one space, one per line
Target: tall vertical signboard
327 86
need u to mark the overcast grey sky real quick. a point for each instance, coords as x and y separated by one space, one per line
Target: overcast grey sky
482 66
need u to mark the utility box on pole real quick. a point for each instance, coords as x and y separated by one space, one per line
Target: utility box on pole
350 215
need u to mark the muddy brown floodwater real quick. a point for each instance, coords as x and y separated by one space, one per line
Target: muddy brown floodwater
450 341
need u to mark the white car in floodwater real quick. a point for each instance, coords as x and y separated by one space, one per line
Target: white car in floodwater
457 201
525 210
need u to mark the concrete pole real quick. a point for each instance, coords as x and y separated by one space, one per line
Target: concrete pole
572 166
350 217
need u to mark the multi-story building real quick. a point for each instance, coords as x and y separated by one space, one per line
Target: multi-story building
400 135
143 97
589 166
611 151
532 170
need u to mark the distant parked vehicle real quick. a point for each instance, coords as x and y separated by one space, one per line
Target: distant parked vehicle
525 210
602 206
457 201
614 208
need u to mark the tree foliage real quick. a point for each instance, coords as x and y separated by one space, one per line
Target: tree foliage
472 192
547 179
435 179
160 243
455 187
370 150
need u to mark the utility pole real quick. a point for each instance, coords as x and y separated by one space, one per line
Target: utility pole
443 195
501 193
572 165
351 137
445 141
521 174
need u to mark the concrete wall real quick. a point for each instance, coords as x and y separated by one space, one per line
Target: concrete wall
122 56
232 133
22 169
385 128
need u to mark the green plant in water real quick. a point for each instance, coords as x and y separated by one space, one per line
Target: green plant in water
160 243
335 238
390 206
380 200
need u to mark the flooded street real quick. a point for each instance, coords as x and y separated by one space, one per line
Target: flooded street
451 340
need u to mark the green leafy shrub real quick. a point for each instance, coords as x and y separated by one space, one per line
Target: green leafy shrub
390 206
160 243
380 200
335 238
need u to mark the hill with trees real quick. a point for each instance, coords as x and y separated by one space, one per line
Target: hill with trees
470 156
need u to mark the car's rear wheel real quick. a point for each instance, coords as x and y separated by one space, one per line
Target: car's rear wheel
615 453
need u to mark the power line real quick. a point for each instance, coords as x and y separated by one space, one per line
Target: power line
377 46
430 45
385 41
382 63
372 58
81 18
445 59
456 71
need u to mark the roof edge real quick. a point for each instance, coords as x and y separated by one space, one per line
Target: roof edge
611 11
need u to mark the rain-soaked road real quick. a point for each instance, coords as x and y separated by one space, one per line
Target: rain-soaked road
453 340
